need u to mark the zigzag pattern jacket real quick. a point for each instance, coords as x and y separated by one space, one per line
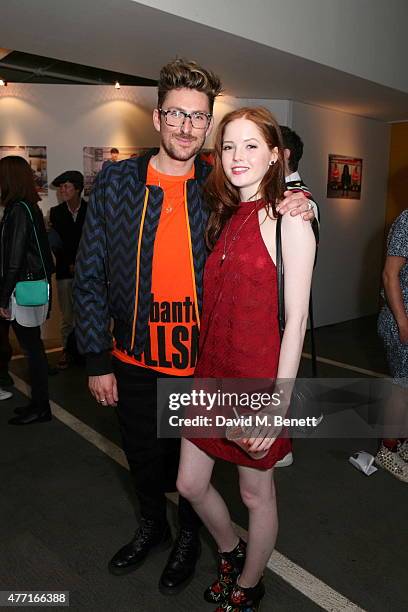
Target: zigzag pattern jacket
113 269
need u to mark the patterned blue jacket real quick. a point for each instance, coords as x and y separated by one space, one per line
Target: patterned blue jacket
113 270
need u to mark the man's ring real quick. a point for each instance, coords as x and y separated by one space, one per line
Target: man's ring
309 205
102 401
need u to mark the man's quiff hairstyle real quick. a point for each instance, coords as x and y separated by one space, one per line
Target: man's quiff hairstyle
181 73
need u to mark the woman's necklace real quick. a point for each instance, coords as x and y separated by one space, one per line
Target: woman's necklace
235 236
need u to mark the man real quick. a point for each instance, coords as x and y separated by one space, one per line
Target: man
293 148
114 156
66 222
141 263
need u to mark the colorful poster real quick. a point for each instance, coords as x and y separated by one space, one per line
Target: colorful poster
36 157
97 157
344 177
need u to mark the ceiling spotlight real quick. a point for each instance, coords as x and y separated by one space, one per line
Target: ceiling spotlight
3 83
117 85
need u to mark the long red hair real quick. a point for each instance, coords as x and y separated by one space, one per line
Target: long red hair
222 197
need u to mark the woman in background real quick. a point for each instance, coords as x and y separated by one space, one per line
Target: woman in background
393 329
239 338
20 260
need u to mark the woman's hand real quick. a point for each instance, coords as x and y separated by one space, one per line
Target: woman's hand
262 436
4 313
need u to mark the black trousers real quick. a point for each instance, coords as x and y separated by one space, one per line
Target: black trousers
153 461
32 345
5 347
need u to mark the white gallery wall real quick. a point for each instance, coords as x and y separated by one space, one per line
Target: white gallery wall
348 271
66 118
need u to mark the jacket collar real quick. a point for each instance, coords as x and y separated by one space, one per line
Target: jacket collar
201 168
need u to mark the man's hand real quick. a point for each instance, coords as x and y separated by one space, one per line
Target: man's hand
4 313
296 203
104 389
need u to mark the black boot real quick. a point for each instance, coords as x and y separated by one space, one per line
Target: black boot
30 415
230 565
180 566
149 536
244 599
24 409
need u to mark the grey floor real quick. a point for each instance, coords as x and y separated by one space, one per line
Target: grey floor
66 507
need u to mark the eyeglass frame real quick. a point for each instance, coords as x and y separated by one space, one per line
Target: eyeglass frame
186 116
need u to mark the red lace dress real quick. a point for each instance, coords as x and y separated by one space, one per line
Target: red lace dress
239 335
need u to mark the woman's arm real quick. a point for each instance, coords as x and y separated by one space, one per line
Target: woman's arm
298 253
392 287
15 239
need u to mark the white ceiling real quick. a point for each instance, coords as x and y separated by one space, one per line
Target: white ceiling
124 36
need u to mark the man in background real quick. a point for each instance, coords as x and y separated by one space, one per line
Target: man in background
66 222
293 146
293 149
114 156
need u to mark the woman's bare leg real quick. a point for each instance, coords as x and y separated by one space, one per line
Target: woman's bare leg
194 483
258 494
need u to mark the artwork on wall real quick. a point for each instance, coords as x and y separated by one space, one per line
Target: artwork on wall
344 177
95 158
36 157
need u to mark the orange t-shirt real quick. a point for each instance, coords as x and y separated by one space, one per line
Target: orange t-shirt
172 342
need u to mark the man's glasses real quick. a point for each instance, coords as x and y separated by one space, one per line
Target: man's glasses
176 118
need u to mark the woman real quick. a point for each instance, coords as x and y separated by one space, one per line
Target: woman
20 260
239 338
393 329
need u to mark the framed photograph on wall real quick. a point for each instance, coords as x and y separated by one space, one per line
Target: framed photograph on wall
95 158
344 177
36 157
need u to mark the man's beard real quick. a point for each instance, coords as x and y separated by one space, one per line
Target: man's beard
179 155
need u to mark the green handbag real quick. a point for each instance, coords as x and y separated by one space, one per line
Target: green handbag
33 292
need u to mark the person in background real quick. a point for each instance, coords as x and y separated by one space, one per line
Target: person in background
21 260
5 352
65 228
114 156
293 153
5 356
393 330
240 339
